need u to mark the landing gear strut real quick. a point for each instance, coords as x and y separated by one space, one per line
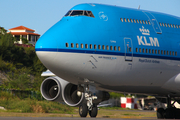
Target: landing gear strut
88 105
170 112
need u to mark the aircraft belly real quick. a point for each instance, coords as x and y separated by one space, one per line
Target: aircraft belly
113 72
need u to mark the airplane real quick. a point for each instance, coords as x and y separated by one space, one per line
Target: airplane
97 48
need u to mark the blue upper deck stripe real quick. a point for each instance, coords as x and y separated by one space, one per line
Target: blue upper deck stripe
108 53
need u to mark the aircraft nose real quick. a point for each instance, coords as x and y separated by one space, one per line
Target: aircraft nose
46 48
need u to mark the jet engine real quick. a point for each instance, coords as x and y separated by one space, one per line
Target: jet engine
57 89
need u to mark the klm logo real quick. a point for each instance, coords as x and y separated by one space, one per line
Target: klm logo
147 41
152 41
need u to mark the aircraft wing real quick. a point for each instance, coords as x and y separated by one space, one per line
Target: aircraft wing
48 73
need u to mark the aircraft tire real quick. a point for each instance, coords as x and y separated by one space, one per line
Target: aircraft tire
170 113
83 110
160 113
94 111
177 114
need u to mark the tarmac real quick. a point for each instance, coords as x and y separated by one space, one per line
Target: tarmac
63 118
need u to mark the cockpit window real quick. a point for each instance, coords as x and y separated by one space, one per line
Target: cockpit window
90 14
85 13
79 13
76 13
68 13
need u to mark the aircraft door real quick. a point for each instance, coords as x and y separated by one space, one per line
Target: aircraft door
154 22
128 49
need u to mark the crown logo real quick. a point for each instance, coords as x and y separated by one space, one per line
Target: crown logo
144 31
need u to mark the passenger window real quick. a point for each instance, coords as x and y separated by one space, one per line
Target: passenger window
131 20
72 45
77 46
149 50
164 52
134 20
149 22
167 53
125 19
174 26
81 45
90 46
165 24
111 48
170 53
86 46
179 26
121 20
171 25
140 50
128 20
95 47
168 25
143 22
115 48
120 49
140 21
67 45
146 22
158 51
155 51
175 53
107 47
143 50
103 47
136 49
160 24
99 47
137 21
152 51
146 50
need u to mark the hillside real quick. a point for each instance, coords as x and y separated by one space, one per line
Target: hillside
19 67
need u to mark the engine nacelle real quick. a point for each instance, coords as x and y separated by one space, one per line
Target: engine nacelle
51 89
57 89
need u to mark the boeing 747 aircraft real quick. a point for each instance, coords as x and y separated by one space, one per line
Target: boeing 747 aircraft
99 48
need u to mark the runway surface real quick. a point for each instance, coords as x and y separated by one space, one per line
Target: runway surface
63 118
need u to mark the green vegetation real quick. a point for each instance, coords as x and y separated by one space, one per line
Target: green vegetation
14 104
23 71
116 95
19 64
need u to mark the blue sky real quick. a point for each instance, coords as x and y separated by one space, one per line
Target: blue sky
40 15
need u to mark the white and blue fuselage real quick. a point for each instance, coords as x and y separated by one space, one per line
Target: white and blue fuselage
119 49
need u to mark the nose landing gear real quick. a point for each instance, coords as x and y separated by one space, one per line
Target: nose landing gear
88 104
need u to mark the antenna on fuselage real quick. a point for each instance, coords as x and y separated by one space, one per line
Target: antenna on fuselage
139 7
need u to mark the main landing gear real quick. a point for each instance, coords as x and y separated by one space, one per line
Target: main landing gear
170 112
88 105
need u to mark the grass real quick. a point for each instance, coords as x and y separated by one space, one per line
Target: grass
126 114
33 108
101 114
15 104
